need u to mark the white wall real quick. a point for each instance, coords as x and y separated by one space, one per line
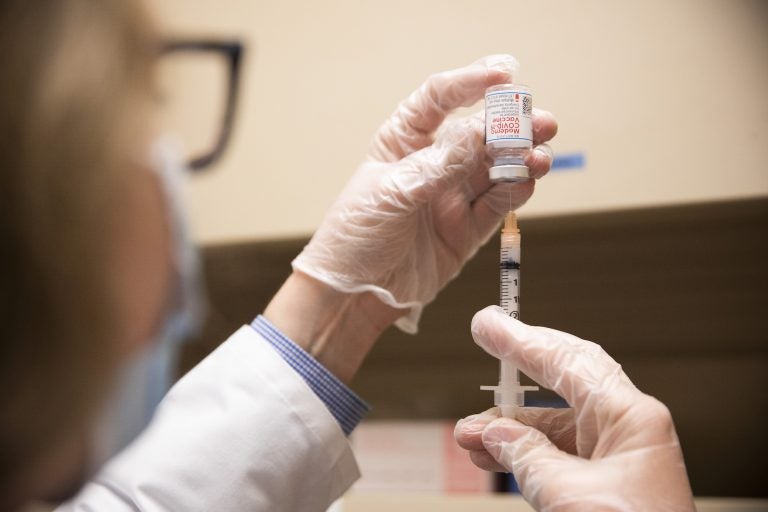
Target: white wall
667 99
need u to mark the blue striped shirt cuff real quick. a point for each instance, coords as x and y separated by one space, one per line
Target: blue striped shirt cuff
342 402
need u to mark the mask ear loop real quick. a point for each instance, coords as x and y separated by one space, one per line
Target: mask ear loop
146 379
187 306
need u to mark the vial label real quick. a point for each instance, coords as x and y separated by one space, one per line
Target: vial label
508 116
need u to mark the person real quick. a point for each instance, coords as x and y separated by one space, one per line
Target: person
614 449
98 281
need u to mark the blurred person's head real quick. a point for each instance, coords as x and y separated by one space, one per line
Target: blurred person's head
84 264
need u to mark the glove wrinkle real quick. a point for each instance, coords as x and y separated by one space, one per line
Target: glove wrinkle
406 223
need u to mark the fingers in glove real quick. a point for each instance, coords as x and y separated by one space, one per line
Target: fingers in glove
558 425
484 460
457 154
468 432
580 371
572 367
544 126
539 161
536 463
411 126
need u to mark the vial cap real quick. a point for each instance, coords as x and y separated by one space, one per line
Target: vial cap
509 173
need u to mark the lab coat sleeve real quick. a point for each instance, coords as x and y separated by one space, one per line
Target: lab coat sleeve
344 404
241 431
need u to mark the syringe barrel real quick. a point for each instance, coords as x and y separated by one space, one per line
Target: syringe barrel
509 394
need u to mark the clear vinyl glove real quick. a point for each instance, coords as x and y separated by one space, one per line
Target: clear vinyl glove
422 204
615 449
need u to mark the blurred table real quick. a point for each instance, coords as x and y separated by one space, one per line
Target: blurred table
455 503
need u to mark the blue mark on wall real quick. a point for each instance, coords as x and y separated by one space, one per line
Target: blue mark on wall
568 161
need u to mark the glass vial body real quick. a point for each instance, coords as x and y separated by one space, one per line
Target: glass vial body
508 131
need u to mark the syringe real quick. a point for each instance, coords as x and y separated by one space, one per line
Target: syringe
509 394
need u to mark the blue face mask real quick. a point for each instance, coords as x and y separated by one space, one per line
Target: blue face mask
146 379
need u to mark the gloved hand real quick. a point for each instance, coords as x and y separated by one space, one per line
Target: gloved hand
422 204
616 449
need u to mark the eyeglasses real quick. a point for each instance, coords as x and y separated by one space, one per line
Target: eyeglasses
199 81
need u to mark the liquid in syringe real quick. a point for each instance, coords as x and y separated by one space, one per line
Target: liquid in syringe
509 394
510 267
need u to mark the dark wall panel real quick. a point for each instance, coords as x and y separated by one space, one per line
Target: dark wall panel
678 295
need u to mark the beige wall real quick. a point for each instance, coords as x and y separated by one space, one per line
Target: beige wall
667 99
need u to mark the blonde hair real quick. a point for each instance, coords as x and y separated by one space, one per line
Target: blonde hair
75 72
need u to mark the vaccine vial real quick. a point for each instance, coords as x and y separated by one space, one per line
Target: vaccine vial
508 131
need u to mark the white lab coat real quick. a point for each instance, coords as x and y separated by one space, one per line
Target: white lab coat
242 431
